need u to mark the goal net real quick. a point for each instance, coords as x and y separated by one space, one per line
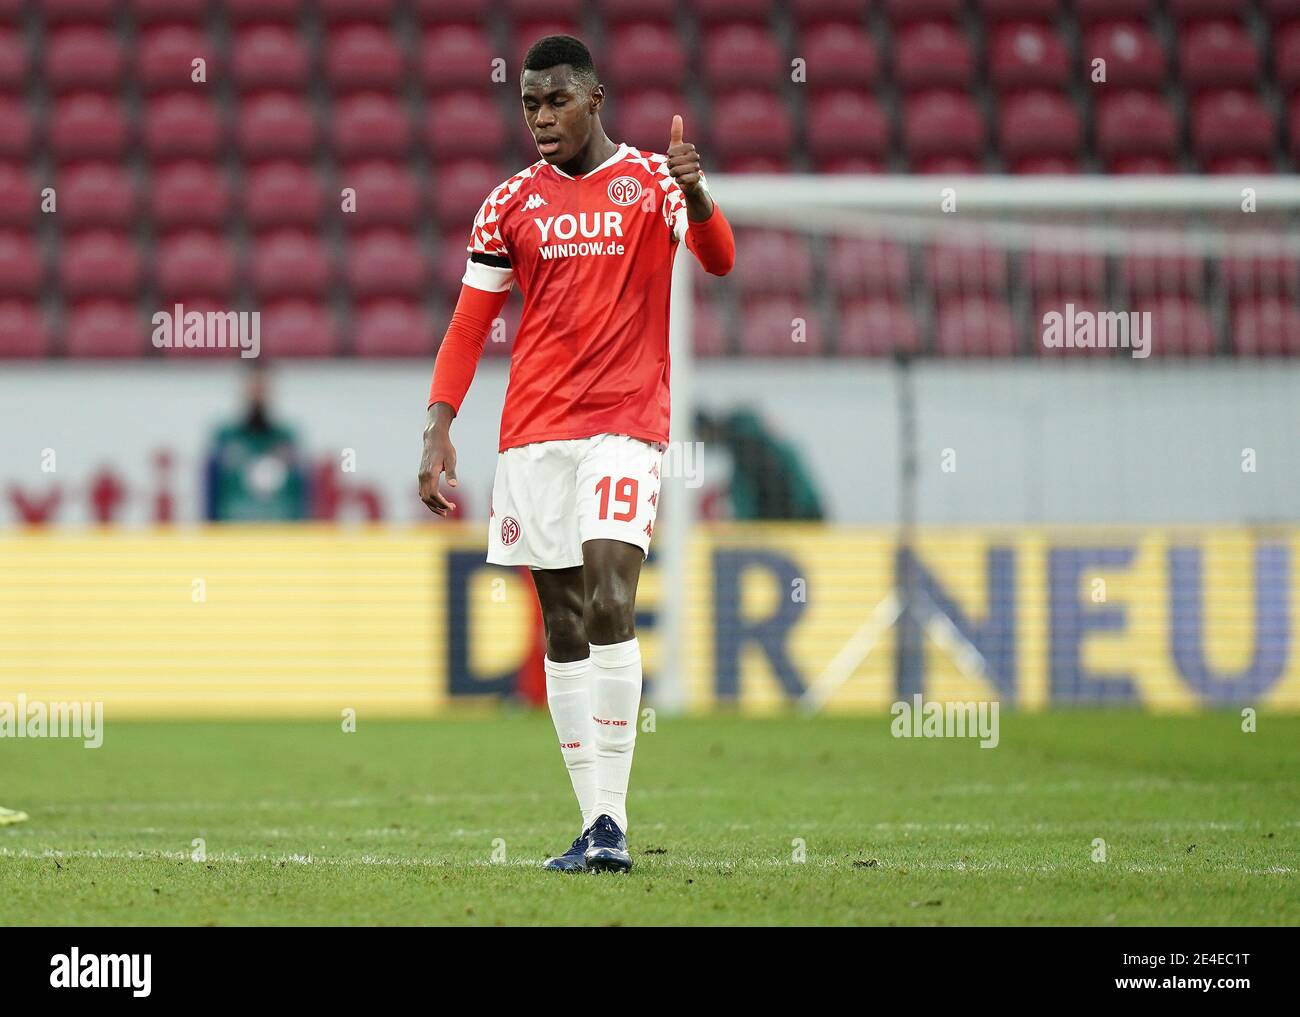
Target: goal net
1047 426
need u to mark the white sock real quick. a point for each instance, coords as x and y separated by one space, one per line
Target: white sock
615 699
568 694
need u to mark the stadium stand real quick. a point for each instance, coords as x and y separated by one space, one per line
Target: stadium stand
225 182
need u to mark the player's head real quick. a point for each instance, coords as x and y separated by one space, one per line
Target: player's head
562 96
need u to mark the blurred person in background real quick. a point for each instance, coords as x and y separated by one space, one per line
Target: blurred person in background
768 478
254 470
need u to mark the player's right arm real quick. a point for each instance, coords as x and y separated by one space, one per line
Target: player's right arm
484 287
453 371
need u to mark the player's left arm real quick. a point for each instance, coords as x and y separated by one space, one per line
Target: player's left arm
708 234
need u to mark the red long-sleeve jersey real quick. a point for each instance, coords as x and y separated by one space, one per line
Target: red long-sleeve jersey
593 257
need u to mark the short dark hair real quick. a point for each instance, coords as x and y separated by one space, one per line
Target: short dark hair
552 50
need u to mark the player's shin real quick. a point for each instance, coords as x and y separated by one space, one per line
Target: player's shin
568 694
616 697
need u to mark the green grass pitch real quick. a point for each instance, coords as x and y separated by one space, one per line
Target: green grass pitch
398 823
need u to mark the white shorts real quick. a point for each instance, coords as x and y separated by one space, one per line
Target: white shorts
551 496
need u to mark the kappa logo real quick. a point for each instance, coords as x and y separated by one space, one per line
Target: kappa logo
534 201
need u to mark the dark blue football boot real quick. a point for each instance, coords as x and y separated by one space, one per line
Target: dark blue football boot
608 850
572 860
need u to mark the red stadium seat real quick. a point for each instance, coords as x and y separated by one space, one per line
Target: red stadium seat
1231 123
99 264
850 164
1218 54
23 332
838 55
1189 10
975 326
1054 272
283 194
84 58
290 263
357 10
948 165
1162 275
1278 11
467 12
741 55
269 57
1293 128
812 12
708 330
774 262
765 164
1089 12
276 126
19 203
1286 57
748 123
183 125
59 12
450 267
781 327
1269 274
370 125
862 266
1141 165
619 11
1266 328
195 264
962 269
13 60
524 11
524 34
387 195
454 56
164 58
106 328
461 187
1039 124
1179 327
1134 56
97 194
393 328
642 119
22 268
465 124
901 11
298 328
993 11
386 263
1051 165
1240 165
189 193
263 11
713 11
362 57
645 55
1135 123
933 54
847 123
942 123
1028 55
877 327
147 12
15 128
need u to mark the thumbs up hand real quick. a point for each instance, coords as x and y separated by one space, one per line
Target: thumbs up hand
683 160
